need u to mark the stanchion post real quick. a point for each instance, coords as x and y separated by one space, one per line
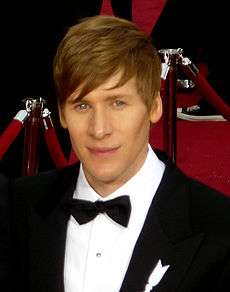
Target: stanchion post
32 118
31 138
169 72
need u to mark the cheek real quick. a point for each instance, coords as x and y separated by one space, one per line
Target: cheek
138 126
77 140
75 129
76 134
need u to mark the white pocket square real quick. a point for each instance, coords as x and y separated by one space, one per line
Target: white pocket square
156 275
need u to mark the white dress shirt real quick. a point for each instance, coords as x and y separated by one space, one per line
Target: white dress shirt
98 253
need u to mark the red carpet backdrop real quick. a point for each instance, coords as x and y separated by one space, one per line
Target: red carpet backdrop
203 148
203 151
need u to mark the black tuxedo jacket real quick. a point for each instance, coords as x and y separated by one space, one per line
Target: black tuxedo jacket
187 227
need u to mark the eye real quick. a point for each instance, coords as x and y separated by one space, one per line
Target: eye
119 103
82 106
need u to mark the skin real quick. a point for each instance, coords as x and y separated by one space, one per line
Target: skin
109 132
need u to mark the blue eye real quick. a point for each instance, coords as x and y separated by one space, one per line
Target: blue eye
82 106
119 103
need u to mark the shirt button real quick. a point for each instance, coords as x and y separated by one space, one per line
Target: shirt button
98 254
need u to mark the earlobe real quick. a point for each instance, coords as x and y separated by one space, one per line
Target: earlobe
62 117
156 110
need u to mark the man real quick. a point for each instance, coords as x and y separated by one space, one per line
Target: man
67 235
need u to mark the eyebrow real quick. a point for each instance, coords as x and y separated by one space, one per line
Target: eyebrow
111 97
116 96
75 99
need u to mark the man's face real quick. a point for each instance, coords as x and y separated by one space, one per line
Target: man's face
109 132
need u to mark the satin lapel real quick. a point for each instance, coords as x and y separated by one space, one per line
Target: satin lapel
179 258
150 246
48 226
166 236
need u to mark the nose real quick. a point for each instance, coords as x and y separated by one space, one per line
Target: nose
99 124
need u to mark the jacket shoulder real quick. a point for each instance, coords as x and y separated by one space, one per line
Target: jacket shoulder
30 188
209 209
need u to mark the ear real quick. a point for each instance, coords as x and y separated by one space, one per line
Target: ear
156 109
62 116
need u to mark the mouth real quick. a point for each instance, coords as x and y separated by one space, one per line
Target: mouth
103 151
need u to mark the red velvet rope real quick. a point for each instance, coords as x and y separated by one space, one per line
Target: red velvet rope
14 128
208 92
9 135
53 145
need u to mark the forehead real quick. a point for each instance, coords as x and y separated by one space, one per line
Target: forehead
111 87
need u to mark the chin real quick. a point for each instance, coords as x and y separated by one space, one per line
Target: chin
105 176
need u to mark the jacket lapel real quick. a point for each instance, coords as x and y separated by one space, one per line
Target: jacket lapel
48 225
166 236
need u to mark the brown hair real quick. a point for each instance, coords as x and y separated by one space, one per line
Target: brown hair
96 48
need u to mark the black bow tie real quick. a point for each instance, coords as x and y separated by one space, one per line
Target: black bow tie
84 211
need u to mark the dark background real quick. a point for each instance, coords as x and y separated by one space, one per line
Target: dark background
31 31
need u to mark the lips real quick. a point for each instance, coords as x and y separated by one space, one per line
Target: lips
103 151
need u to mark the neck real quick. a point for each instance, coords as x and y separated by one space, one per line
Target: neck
104 189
